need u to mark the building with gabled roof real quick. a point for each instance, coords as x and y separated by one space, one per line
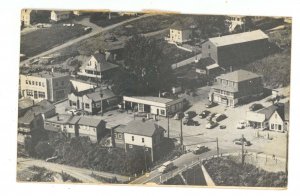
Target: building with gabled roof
236 49
57 15
30 122
92 100
236 87
145 135
92 127
97 67
272 118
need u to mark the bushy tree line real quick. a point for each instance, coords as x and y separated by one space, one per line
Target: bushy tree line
226 172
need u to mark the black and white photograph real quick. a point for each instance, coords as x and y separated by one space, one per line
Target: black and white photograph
153 98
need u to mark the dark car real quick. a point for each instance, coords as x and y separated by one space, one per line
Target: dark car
204 114
219 117
255 106
190 114
222 126
210 116
240 141
210 104
190 122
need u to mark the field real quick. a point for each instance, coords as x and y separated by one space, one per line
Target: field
44 39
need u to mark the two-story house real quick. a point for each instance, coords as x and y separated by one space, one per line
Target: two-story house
92 127
180 35
235 87
144 135
59 15
98 67
52 86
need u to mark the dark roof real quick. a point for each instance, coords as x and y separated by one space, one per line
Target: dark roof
99 57
204 62
89 121
238 76
102 64
268 112
43 107
28 117
95 96
138 127
154 99
25 103
238 38
120 129
61 118
47 74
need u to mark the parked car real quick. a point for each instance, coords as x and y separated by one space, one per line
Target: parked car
255 106
200 149
178 116
74 112
219 117
167 166
210 104
190 122
211 125
240 141
204 114
222 126
190 114
210 116
241 124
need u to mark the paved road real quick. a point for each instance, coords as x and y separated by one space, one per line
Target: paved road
186 61
79 173
86 36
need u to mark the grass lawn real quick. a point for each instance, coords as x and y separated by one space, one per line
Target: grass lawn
44 39
104 22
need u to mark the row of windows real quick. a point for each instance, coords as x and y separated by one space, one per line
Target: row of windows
276 127
143 139
36 83
36 94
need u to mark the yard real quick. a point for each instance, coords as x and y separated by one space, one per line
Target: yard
44 39
101 19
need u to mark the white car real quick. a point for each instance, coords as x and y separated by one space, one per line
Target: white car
167 166
73 112
241 124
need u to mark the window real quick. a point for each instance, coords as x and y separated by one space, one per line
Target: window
272 126
29 92
87 105
115 135
71 126
36 83
70 102
120 135
40 83
143 140
29 82
26 81
41 94
130 146
132 138
146 149
65 126
162 112
275 116
279 127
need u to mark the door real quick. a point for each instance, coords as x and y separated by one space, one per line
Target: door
35 95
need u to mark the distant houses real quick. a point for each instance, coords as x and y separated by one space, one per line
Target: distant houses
52 86
236 49
180 35
31 17
236 87
98 67
59 15
153 105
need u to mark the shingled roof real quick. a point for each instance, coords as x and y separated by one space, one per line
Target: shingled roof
144 128
238 76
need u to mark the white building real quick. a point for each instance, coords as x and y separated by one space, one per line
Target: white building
59 15
52 86
154 105
179 35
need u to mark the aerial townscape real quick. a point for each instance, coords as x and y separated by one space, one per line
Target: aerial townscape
153 98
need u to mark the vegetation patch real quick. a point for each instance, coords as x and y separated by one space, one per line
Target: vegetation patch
225 171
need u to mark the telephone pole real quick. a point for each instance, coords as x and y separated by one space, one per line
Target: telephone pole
217 140
181 136
243 156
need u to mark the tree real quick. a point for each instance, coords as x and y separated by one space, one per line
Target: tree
145 62
44 150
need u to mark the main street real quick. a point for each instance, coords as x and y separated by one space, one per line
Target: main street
86 36
79 173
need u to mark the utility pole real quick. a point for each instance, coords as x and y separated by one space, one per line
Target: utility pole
243 156
217 140
168 126
181 136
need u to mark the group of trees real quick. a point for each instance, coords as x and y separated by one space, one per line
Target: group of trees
146 69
